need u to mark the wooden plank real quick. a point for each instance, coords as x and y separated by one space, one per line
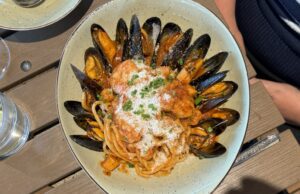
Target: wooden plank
80 184
264 115
37 97
42 47
43 160
269 172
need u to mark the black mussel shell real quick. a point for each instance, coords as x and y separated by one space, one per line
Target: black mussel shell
201 85
87 142
74 107
176 52
214 150
219 90
198 49
229 115
96 70
214 126
153 26
212 103
213 65
82 121
134 48
85 82
95 28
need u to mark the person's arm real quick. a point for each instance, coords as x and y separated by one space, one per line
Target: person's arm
285 96
227 9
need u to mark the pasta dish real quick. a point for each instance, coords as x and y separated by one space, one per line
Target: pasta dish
150 98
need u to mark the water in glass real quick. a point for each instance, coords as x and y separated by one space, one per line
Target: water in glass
14 127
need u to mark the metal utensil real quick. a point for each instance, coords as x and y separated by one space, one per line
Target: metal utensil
28 3
256 148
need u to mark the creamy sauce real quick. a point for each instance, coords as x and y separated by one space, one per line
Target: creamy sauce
139 105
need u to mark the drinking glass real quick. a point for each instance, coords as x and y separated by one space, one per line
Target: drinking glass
4 57
14 127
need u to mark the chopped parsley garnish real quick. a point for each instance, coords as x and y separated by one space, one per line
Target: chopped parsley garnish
130 165
133 78
98 96
158 82
151 106
209 129
109 116
153 65
133 93
127 106
100 113
145 91
145 116
198 100
180 61
139 111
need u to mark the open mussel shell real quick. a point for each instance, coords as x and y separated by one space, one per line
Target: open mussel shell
172 58
198 49
134 48
152 26
211 66
214 126
150 33
94 67
213 150
87 142
201 85
75 108
219 90
212 103
83 121
85 82
168 37
229 115
121 40
104 44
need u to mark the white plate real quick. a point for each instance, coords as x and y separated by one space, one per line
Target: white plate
192 175
14 17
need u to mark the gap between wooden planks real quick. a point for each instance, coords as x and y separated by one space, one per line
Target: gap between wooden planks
43 50
278 168
46 158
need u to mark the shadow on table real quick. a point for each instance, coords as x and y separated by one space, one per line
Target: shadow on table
250 186
55 29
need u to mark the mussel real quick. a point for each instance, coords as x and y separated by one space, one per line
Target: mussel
210 67
202 139
107 47
168 38
230 116
87 142
85 120
210 151
134 47
150 33
94 67
121 41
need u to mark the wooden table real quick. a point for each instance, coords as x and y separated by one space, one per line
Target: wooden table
46 165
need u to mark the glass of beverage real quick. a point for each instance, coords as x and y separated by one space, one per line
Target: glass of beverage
14 127
4 57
